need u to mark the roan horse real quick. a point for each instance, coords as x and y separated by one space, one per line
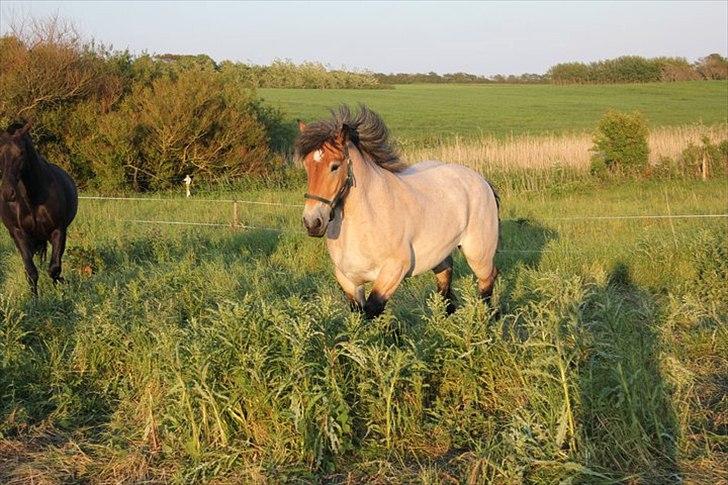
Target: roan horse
385 221
38 201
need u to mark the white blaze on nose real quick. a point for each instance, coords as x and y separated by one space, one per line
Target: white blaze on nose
318 155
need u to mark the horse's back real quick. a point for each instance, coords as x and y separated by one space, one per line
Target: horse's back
448 204
433 177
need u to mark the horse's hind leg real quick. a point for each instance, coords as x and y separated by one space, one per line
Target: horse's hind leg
443 274
481 259
58 246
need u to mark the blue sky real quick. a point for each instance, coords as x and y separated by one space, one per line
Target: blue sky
477 37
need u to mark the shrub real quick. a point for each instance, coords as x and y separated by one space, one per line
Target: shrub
620 144
116 122
708 156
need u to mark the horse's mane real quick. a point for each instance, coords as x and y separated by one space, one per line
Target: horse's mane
14 126
365 129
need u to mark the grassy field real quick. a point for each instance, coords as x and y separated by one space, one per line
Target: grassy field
428 113
204 354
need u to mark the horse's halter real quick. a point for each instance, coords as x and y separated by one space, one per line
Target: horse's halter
348 183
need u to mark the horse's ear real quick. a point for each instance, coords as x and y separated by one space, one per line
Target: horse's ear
22 131
301 125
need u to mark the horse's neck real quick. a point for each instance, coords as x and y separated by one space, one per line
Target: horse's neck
371 183
35 173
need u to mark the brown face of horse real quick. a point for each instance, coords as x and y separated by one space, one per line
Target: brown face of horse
12 158
327 174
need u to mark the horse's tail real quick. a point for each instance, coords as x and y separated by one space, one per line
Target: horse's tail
42 251
497 208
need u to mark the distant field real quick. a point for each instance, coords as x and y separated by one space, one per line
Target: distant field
432 112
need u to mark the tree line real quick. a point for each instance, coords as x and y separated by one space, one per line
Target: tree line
636 69
625 69
458 78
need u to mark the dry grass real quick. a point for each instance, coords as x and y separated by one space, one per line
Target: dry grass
547 151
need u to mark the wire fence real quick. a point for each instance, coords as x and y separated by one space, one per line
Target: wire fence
237 202
236 223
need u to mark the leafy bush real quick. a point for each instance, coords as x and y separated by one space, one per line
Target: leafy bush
620 144
117 122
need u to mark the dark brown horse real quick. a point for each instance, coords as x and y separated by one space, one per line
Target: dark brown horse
38 201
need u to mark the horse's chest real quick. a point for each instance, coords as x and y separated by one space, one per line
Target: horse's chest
35 223
357 262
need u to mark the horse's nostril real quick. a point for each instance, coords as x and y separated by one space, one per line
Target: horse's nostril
317 224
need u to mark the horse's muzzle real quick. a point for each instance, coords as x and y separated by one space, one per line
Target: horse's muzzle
315 226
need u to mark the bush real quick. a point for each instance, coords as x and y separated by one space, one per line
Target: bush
117 122
620 144
709 156
191 124
690 162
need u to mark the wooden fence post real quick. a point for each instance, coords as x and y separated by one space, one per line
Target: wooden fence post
705 166
236 215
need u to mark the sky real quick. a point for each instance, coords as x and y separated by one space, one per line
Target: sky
477 37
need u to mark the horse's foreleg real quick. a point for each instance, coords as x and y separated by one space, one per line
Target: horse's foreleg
58 246
26 252
443 275
384 287
354 293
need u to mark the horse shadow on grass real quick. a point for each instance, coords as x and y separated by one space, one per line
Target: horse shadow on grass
625 418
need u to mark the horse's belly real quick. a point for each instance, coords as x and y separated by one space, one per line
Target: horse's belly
430 252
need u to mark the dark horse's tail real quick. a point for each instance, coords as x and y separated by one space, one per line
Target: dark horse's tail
41 250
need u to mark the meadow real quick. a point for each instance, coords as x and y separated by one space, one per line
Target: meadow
429 114
200 352
211 354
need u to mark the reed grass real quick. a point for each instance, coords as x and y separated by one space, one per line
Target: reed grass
543 152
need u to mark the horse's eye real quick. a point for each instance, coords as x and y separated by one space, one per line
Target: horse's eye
334 167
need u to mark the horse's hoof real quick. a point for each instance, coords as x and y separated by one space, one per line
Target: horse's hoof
450 308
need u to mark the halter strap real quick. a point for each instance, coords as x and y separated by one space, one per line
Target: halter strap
348 183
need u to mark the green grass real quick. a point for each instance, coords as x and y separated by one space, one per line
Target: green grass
430 112
197 354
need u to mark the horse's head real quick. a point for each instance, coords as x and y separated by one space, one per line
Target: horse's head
13 153
328 168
